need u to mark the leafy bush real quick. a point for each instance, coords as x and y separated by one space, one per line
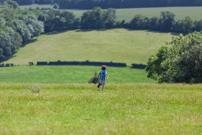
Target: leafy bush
181 63
94 79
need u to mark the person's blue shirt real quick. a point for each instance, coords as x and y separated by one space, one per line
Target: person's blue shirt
102 74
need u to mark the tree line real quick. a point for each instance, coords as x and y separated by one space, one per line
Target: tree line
30 2
16 27
89 4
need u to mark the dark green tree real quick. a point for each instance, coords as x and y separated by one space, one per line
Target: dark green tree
92 19
166 21
10 41
59 20
184 25
197 25
154 67
153 23
97 18
139 22
179 63
23 30
109 18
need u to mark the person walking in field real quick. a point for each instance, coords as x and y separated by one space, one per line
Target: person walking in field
102 77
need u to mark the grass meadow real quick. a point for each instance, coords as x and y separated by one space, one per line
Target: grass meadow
128 13
50 100
70 74
138 109
34 6
117 45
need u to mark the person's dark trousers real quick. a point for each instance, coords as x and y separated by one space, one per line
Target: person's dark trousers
98 85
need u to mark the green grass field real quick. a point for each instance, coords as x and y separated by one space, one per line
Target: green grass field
138 109
70 74
56 100
34 6
128 13
117 45
180 12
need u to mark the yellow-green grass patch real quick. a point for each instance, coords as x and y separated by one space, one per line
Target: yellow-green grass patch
81 109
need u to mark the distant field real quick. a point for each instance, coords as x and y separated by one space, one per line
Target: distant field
70 74
128 13
78 109
34 6
181 12
117 45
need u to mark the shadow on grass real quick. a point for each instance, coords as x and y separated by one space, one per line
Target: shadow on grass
155 31
23 45
105 29
5 59
59 31
88 30
28 42
56 32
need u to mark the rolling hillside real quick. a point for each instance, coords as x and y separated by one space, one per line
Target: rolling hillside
117 45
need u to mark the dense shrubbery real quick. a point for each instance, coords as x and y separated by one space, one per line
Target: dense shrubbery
16 27
179 63
97 18
10 41
59 20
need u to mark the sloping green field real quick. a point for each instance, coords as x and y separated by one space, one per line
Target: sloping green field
79 109
117 45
